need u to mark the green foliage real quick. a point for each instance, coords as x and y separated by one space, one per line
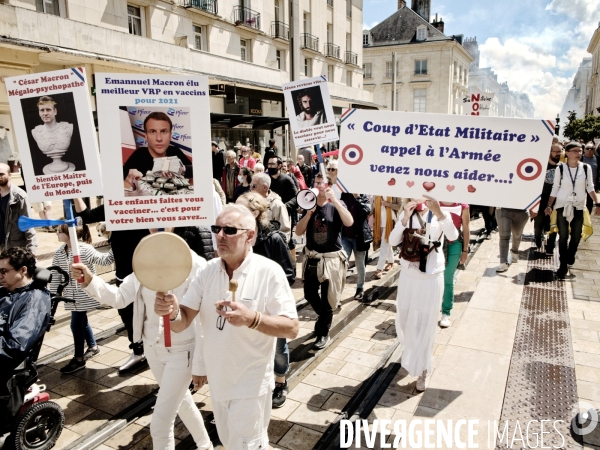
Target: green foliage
586 129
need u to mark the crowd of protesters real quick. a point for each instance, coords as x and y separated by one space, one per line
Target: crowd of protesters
259 224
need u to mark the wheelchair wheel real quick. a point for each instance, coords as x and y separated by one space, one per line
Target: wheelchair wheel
38 428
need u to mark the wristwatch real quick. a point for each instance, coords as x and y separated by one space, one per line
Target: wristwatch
597 205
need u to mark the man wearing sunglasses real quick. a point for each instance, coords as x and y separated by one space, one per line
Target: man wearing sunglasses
236 349
325 262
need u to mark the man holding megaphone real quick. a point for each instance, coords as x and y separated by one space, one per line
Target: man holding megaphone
325 262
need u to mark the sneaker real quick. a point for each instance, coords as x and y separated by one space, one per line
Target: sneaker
514 256
91 352
321 342
502 267
549 252
445 322
133 361
487 236
422 381
359 294
280 394
73 366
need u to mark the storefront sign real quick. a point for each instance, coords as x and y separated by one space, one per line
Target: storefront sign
153 129
477 160
311 115
477 103
55 134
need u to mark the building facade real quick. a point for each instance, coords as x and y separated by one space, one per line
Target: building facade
577 98
431 68
506 103
593 103
242 46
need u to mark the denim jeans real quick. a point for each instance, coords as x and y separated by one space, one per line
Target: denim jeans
349 245
82 332
454 253
282 358
510 221
566 247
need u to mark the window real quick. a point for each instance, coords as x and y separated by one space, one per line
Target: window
307 67
199 37
330 74
366 38
421 33
134 17
389 69
367 70
420 100
330 33
421 67
348 42
279 56
276 10
349 8
245 50
349 78
47 6
306 23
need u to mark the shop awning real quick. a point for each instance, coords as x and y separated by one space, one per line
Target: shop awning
218 120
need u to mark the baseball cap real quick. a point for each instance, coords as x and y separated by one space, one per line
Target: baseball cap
214 143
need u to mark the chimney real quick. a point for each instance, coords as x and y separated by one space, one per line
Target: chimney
422 8
401 4
439 24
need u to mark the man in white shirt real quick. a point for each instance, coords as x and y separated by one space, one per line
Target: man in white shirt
571 182
309 116
261 184
236 347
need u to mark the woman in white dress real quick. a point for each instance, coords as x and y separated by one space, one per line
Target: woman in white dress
420 293
53 138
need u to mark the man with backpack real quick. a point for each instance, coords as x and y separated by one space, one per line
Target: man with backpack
568 197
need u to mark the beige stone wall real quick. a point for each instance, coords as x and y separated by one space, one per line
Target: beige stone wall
441 84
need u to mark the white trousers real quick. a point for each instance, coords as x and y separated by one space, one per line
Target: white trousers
386 252
173 396
242 423
417 307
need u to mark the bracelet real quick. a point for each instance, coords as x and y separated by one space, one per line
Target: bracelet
465 251
255 325
253 321
597 205
177 316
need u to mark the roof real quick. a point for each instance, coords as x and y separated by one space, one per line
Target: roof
401 28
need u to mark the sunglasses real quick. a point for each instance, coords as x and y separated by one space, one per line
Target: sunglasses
229 231
331 170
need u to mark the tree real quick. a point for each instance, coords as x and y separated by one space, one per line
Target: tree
586 129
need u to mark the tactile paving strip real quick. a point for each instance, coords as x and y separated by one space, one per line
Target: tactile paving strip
541 380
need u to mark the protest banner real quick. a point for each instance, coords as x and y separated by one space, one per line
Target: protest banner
55 134
311 115
477 103
477 160
154 174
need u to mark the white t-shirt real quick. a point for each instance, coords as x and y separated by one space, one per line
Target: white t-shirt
562 189
237 360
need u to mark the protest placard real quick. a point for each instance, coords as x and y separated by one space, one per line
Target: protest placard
154 174
478 160
477 103
311 115
55 134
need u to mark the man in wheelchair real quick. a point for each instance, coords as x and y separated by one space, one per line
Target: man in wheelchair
24 318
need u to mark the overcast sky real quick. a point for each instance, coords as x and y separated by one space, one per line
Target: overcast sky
535 45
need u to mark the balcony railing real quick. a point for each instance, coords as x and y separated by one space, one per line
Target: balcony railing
332 50
246 17
309 41
210 6
349 12
280 30
351 58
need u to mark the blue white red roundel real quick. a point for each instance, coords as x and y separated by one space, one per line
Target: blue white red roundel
529 169
352 154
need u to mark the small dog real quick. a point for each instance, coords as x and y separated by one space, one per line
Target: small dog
102 231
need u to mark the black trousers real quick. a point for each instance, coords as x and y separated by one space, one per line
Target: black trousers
318 300
568 247
127 318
